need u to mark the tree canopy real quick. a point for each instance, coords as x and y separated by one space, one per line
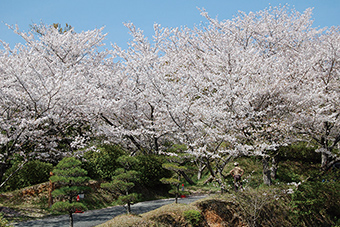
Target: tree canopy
224 89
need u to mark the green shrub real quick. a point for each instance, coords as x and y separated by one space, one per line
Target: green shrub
102 164
194 217
151 171
33 172
286 174
300 151
317 201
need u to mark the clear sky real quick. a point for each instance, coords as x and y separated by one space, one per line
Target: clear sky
90 14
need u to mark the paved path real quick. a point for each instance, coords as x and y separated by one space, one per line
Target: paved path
95 217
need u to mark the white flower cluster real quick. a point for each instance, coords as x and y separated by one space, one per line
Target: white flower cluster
78 142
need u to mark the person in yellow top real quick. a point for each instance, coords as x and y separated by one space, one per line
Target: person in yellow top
237 173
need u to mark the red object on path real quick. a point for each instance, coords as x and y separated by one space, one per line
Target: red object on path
183 196
78 211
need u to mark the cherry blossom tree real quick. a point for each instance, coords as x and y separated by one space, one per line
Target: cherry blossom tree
137 95
45 85
239 78
290 72
317 115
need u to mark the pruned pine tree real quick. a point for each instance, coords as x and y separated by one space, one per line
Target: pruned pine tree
71 178
123 182
175 180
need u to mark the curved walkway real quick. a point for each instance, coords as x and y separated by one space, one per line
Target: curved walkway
95 217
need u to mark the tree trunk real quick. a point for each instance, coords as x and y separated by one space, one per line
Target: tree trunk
129 208
187 178
220 183
2 171
266 171
220 166
201 167
210 178
324 160
275 166
177 192
177 188
71 219
199 174
50 190
212 172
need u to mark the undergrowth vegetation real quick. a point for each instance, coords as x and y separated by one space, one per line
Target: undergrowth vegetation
301 194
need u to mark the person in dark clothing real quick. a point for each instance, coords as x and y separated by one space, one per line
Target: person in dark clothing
237 173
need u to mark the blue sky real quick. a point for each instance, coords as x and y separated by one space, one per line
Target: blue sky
90 14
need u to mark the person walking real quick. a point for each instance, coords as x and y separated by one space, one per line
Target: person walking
237 173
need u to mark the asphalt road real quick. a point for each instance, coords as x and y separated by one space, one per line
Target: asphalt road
95 217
